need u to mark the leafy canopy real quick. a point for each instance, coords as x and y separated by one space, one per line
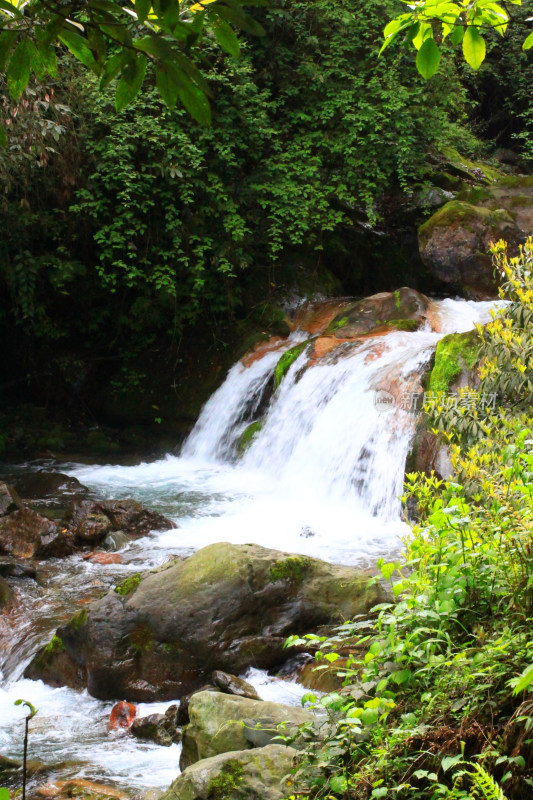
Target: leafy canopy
118 40
429 23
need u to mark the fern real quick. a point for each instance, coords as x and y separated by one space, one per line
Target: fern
481 780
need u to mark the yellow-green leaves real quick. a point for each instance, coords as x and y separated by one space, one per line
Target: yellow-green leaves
528 44
474 48
428 59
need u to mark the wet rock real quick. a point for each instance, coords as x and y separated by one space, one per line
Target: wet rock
87 790
8 768
231 684
14 569
92 521
158 728
122 715
26 534
58 666
115 541
103 558
9 500
227 607
7 596
55 488
403 309
246 775
220 723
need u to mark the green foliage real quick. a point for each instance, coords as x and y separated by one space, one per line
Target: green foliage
454 353
460 23
116 40
55 645
249 434
224 785
292 569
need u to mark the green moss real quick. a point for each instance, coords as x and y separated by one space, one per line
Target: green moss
248 434
223 786
292 569
397 298
336 324
455 352
404 324
457 212
288 358
55 645
129 585
476 169
78 620
141 638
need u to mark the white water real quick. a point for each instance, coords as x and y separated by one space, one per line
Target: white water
322 478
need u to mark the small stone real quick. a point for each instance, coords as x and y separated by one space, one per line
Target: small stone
115 540
122 715
231 684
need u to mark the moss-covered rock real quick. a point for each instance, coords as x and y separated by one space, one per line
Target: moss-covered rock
220 723
226 607
455 242
248 435
455 354
403 309
242 775
287 359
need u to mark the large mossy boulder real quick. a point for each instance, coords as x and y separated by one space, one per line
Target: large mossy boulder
404 309
220 723
455 242
226 607
243 775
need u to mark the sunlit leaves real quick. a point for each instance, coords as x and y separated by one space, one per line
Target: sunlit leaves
454 21
428 59
474 47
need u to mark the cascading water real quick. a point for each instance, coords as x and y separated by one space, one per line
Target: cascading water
321 477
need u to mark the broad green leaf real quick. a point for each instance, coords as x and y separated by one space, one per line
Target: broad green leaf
142 9
154 46
370 716
428 59
338 784
79 48
194 101
130 84
167 88
49 58
226 37
10 8
456 36
111 69
474 48
4 794
18 72
424 31
525 681
7 40
528 44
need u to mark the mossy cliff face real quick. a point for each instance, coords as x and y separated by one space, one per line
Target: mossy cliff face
226 607
455 242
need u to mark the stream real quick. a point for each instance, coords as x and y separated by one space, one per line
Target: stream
321 477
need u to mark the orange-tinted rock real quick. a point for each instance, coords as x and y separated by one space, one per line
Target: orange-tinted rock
80 788
315 317
122 715
262 348
104 558
25 534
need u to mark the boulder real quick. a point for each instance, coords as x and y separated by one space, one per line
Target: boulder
79 788
455 242
115 541
183 708
246 775
220 723
26 534
14 569
122 715
403 309
92 521
227 607
9 499
231 684
161 729
54 488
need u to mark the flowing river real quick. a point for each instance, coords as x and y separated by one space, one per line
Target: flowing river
321 477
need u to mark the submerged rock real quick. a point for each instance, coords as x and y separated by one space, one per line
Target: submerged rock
161 729
226 607
246 775
220 723
122 715
54 488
